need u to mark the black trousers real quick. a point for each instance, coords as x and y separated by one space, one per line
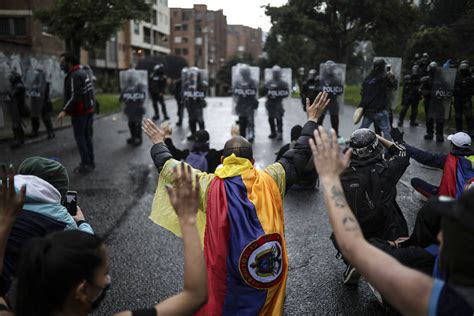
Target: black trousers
135 128
430 123
463 107
276 124
180 105
413 104
82 127
194 123
155 99
334 122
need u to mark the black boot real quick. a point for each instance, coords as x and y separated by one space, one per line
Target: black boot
273 134
439 131
138 134
35 122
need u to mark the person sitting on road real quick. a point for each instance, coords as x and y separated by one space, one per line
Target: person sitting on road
369 185
309 179
200 156
241 220
409 291
67 273
47 181
458 166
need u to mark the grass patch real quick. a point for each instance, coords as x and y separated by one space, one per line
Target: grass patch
109 102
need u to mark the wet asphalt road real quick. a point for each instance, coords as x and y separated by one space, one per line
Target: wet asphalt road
146 262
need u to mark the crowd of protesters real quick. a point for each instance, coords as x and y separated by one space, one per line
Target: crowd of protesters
230 216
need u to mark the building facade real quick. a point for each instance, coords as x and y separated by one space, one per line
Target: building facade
199 35
243 39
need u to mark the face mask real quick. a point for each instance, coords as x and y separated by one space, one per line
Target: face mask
101 296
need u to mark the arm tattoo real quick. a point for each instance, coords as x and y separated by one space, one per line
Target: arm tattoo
338 197
349 224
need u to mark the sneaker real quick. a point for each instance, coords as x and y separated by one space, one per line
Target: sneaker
428 137
377 294
167 118
351 276
155 118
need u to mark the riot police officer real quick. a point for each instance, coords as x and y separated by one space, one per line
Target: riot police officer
194 98
157 91
463 91
310 88
411 96
245 92
276 90
426 84
40 104
14 98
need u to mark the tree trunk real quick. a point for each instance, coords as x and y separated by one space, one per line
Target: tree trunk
74 47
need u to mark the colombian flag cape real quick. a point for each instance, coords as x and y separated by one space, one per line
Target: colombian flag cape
457 173
241 224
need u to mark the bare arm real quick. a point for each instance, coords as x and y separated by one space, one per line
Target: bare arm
406 289
185 199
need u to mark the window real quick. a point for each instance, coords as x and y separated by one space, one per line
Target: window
178 40
177 27
13 26
160 15
185 27
187 15
185 51
153 17
177 51
184 39
136 28
146 35
210 16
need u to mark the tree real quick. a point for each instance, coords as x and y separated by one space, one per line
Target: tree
336 25
90 23
439 42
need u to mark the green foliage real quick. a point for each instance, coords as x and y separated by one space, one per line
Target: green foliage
439 42
333 26
90 23
109 102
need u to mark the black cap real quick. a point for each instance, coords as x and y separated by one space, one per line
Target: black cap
462 209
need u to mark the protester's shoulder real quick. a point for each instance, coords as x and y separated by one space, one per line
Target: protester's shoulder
448 300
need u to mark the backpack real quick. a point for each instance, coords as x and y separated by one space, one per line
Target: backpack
364 194
198 160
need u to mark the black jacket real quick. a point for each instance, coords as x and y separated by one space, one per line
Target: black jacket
388 173
78 93
293 161
375 92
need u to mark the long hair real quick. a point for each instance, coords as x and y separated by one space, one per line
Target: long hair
50 267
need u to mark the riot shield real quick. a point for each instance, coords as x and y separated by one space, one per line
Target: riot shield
277 89
441 93
35 90
134 93
393 67
245 80
332 81
4 92
194 91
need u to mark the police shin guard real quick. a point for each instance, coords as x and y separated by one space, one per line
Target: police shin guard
271 121
138 134
18 136
439 131
131 127
49 126
335 123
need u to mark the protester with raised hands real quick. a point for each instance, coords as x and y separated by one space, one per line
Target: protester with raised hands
66 273
409 291
11 203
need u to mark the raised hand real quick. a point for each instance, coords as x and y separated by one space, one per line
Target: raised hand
183 195
155 134
166 128
327 158
11 203
316 109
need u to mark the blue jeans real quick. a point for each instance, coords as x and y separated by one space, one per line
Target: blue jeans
382 121
82 126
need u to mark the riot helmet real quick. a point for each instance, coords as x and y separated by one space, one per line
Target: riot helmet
276 72
245 72
415 69
464 66
432 66
365 145
158 69
406 78
312 74
426 55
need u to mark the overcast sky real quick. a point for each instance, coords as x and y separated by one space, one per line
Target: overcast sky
246 12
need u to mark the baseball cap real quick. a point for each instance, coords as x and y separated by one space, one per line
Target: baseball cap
460 139
458 209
